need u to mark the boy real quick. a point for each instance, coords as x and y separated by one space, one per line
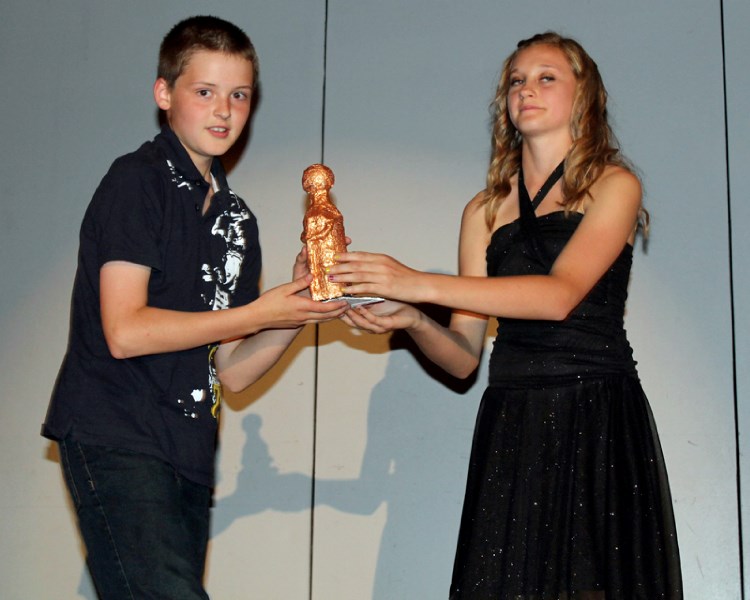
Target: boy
168 265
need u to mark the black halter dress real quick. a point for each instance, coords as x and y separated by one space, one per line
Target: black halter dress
567 495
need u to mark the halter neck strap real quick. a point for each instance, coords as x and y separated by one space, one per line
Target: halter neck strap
529 227
523 193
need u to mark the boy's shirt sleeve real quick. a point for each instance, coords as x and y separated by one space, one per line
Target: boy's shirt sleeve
128 217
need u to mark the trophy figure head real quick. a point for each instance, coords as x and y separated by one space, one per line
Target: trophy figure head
317 178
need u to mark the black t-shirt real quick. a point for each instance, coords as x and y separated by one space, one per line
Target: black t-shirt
147 210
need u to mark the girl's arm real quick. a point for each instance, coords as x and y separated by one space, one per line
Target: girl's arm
455 348
609 223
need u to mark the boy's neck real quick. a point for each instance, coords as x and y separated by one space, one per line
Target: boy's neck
205 170
201 162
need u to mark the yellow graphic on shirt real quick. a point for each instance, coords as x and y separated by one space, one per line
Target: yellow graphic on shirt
214 382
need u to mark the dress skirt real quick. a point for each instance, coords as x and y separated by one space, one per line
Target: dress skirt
567 497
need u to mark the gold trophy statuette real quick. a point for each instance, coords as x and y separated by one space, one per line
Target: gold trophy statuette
323 231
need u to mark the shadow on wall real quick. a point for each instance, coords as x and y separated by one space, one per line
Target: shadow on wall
419 427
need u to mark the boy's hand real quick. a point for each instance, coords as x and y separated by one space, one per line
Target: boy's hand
283 307
300 268
300 264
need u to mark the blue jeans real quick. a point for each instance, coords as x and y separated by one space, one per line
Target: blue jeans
145 526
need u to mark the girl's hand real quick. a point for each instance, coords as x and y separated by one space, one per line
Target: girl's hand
383 317
377 275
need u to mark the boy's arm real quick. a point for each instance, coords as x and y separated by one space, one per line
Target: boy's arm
241 363
133 328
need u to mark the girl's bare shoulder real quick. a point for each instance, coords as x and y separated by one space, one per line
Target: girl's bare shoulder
616 185
616 178
476 204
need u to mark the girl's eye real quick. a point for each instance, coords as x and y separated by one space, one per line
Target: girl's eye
204 93
547 78
514 82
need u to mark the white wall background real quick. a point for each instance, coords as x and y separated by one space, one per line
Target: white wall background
344 478
737 47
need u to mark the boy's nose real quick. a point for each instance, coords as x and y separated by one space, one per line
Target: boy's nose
222 108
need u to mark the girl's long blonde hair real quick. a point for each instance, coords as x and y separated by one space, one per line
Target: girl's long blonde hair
594 143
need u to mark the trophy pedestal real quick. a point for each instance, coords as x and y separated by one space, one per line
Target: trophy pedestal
357 300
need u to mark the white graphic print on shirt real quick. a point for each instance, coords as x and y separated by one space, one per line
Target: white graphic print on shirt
224 275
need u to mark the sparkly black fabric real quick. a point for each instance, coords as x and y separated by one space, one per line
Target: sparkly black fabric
567 495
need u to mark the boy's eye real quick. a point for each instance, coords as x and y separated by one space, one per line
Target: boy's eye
204 93
240 96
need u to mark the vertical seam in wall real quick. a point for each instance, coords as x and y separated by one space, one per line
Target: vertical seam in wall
732 309
316 362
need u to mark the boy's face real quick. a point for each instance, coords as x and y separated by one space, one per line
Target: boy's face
209 104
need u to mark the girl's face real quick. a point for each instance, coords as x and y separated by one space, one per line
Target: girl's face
541 92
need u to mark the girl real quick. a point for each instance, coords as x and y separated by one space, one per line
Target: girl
567 495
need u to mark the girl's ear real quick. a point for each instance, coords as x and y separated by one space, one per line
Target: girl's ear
162 94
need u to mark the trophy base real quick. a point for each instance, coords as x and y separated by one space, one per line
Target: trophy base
357 300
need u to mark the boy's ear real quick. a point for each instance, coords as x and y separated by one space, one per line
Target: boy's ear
162 94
